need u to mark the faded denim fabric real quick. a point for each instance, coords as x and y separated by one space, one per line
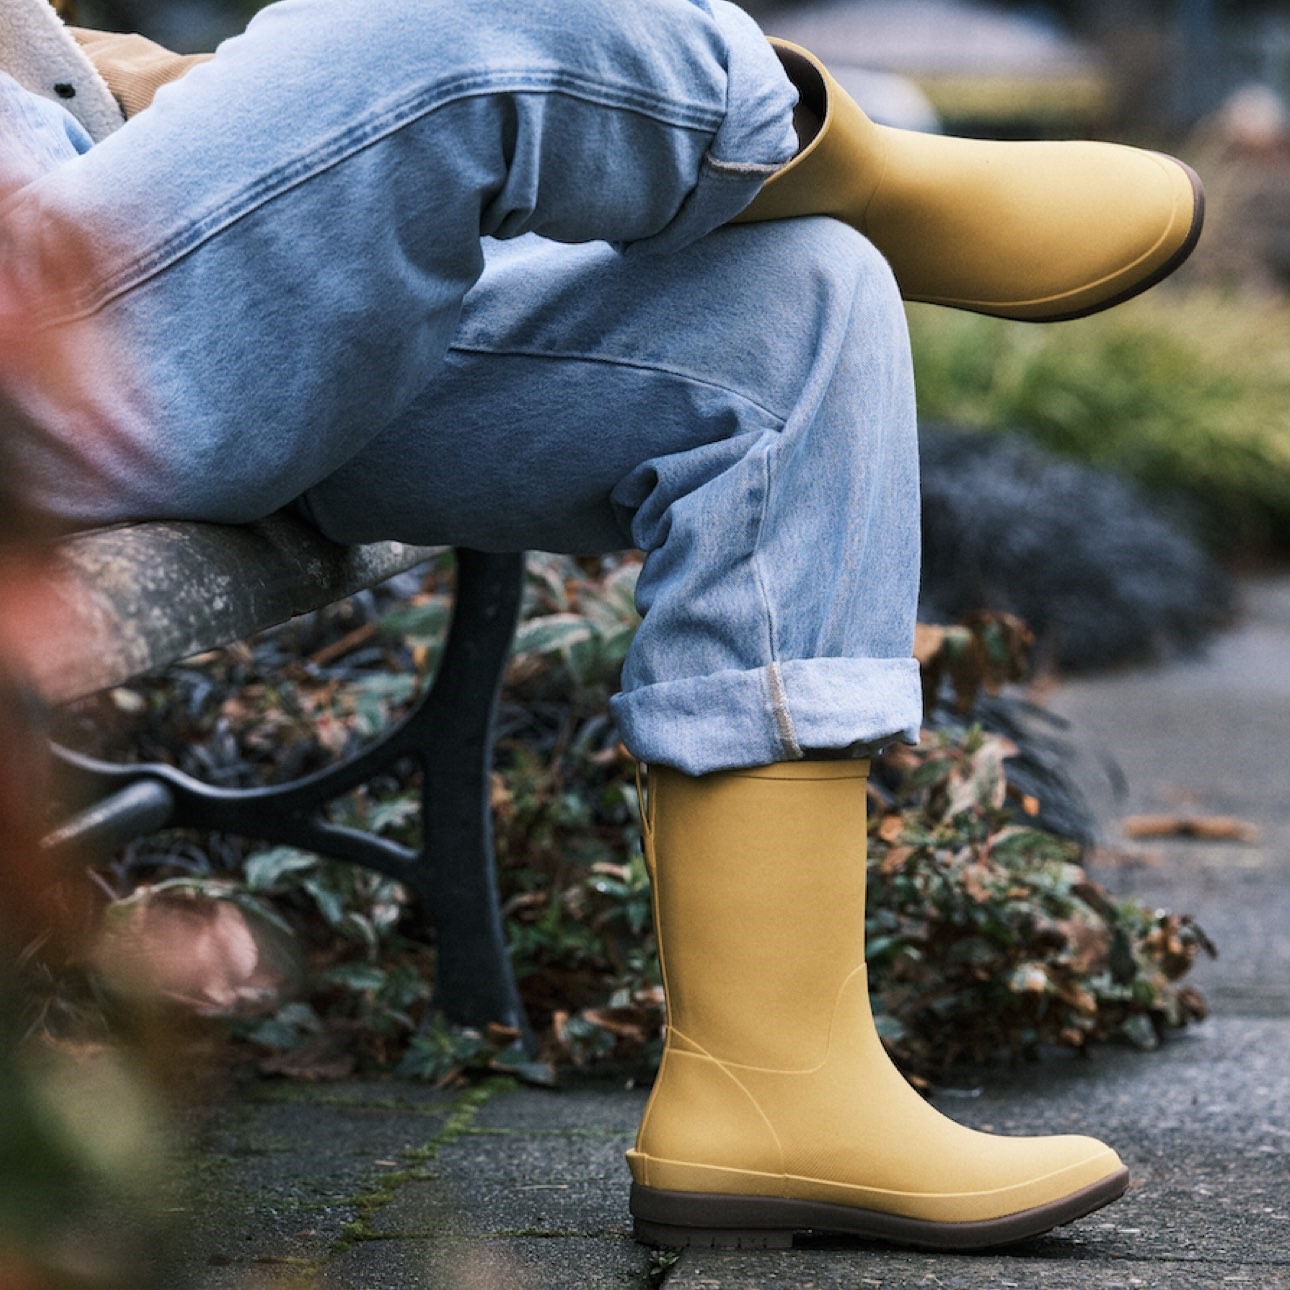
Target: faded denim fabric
743 412
282 284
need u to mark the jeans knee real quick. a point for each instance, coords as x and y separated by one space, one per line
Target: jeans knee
861 284
821 303
853 419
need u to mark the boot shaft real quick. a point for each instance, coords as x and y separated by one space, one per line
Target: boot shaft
759 881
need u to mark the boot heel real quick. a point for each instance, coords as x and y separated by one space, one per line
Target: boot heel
710 1221
709 1238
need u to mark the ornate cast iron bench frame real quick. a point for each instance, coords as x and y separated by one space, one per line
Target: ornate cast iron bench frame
136 598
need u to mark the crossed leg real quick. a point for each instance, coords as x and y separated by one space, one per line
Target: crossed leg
742 411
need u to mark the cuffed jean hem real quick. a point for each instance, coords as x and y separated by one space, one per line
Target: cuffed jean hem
770 714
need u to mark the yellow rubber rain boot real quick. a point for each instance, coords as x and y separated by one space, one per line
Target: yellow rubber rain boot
776 1108
1038 231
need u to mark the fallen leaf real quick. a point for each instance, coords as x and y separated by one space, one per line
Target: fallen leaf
1089 945
891 828
928 640
894 859
626 1023
1209 828
202 953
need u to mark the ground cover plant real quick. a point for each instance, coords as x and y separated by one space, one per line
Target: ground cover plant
1185 392
1099 576
987 937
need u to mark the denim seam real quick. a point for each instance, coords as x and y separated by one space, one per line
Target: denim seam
783 717
559 356
779 709
378 127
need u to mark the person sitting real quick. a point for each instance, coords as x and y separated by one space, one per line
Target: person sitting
580 275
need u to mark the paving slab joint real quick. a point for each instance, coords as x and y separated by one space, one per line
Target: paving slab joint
387 1184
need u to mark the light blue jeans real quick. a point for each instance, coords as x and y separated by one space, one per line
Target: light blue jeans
326 270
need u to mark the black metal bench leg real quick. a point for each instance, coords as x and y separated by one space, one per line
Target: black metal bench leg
474 981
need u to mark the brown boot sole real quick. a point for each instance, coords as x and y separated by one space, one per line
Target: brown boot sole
680 1219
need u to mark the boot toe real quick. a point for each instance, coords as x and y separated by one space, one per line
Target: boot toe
1038 232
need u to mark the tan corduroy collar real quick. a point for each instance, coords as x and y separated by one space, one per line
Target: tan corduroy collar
134 67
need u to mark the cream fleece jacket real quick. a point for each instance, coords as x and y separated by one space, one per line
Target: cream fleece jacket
100 77
38 51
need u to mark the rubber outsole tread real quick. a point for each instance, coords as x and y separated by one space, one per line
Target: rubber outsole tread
695 1219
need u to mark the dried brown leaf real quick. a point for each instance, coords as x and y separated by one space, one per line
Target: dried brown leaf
894 860
973 883
625 1023
1090 944
928 640
338 648
204 954
891 828
1209 828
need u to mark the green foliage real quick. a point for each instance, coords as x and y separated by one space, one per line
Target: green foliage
985 935
1185 393
440 1054
578 624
